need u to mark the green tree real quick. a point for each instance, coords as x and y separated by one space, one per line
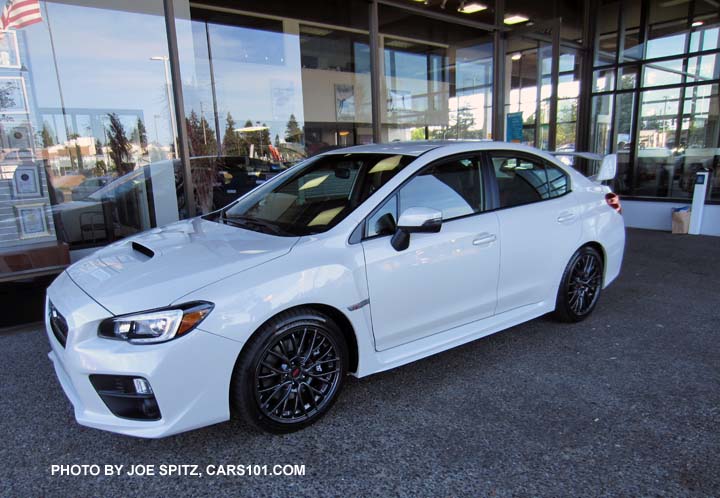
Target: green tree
462 127
277 141
201 137
233 143
119 145
139 135
293 133
46 136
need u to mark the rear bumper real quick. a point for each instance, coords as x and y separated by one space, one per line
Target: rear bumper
614 251
190 376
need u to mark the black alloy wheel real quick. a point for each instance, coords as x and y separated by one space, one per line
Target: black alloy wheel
581 286
291 371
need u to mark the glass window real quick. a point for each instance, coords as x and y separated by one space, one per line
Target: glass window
667 28
604 80
705 39
700 139
657 158
87 132
453 187
268 92
703 68
522 181
383 221
663 73
317 196
606 19
600 138
627 77
630 15
437 78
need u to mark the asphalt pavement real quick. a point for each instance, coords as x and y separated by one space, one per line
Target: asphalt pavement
626 403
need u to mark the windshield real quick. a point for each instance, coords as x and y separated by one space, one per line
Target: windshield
317 196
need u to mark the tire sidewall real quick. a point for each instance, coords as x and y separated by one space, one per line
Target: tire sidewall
562 307
242 389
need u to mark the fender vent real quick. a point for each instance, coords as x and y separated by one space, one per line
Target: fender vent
146 251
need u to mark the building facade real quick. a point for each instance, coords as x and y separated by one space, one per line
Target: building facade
119 116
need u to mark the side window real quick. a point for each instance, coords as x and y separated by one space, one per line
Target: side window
453 187
380 223
557 181
522 181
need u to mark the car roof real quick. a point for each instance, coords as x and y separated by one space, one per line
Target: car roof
416 148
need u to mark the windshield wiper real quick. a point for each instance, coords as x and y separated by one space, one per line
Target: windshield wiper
254 223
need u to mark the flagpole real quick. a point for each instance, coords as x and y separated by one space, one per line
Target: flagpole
57 72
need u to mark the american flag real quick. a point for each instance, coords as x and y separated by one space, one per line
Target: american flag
20 13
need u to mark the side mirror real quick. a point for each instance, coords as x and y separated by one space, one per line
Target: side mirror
415 220
608 168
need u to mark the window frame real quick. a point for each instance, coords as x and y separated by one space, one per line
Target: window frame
489 154
358 234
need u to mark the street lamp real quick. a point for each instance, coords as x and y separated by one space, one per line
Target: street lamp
168 89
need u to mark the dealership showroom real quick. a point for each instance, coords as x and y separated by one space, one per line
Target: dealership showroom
128 130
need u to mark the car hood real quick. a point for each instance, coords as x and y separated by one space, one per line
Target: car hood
158 267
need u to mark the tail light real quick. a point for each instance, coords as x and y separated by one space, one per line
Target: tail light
613 201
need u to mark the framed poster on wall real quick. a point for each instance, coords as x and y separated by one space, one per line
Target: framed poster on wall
344 102
9 53
26 182
13 96
31 221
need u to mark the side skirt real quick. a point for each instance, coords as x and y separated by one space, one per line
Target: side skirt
437 343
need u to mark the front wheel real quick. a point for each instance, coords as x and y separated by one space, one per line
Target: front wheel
580 286
291 371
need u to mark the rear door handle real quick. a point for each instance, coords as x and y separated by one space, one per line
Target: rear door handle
566 217
484 239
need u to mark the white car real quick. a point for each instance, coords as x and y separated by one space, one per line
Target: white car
352 262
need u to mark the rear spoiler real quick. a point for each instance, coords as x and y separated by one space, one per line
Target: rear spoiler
608 164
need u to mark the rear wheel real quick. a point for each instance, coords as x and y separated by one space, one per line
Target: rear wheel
580 286
291 371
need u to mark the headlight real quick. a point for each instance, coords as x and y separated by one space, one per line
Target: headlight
155 326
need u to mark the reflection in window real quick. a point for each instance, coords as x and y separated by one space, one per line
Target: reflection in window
454 188
320 194
86 150
521 181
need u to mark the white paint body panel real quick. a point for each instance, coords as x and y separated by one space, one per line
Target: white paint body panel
443 280
441 292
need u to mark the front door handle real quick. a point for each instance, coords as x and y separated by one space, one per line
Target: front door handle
484 239
566 217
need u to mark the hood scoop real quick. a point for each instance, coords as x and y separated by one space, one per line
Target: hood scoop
144 250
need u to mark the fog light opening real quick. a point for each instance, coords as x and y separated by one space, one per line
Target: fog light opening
142 386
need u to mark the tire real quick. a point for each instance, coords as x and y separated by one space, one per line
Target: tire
580 286
290 372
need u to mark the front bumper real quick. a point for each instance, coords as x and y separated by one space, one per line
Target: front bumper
190 376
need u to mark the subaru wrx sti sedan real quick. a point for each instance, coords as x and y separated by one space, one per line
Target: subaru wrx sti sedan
353 262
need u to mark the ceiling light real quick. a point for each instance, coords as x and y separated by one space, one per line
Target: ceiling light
313 30
471 8
697 24
515 19
516 57
399 44
344 133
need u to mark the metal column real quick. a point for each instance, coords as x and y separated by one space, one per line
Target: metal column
375 59
182 138
498 101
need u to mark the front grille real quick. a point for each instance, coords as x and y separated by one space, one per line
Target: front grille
58 325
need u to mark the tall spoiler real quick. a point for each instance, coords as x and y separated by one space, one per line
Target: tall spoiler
608 164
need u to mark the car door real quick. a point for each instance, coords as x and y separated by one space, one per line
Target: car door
539 227
442 280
